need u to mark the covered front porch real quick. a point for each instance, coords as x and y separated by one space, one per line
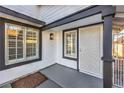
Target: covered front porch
78 42
60 76
70 78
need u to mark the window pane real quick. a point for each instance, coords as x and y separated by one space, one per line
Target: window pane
31 41
73 42
19 50
11 32
70 43
12 43
12 57
12 51
21 42
19 56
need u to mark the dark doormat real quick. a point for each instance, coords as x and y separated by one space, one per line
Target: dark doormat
29 81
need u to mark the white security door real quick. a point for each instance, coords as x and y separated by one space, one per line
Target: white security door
90 50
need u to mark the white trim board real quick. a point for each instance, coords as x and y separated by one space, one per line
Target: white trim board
11 74
92 74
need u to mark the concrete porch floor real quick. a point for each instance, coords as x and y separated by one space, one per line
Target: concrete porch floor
70 78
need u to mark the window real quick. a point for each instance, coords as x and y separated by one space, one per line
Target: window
21 43
70 44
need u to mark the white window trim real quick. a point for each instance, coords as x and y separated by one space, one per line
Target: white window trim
74 55
24 59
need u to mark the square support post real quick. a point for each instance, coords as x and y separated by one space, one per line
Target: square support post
107 52
2 45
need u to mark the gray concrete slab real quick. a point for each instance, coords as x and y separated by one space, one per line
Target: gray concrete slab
48 84
69 78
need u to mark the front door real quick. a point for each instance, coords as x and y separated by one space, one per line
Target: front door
90 50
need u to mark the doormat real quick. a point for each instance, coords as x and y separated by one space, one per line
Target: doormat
30 81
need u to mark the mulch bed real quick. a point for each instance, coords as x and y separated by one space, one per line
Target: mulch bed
29 81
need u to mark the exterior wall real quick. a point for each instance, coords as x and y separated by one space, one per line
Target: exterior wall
51 52
48 58
60 59
57 45
97 72
58 30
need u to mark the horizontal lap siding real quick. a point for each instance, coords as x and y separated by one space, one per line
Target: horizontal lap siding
48 58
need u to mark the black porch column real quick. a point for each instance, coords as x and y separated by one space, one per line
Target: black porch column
107 52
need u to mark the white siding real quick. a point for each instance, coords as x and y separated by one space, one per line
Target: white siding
48 58
59 57
51 51
71 63
47 13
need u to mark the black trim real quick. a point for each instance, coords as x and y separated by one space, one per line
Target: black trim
40 45
78 49
2 44
105 10
107 52
20 15
63 38
17 23
2 47
70 58
85 26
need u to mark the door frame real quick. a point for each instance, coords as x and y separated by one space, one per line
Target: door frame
101 41
78 44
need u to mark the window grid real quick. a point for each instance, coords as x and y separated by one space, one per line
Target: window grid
70 44
16 43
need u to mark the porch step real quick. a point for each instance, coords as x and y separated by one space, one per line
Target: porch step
48 84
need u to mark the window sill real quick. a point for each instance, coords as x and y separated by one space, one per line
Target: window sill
70 58
20 64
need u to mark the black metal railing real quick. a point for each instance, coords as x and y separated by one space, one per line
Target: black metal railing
118 72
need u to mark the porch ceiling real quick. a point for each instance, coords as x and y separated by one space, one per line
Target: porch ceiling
46 13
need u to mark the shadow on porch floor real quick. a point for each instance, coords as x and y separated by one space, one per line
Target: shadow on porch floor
69 78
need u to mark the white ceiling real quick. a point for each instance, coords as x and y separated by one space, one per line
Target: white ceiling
47 13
